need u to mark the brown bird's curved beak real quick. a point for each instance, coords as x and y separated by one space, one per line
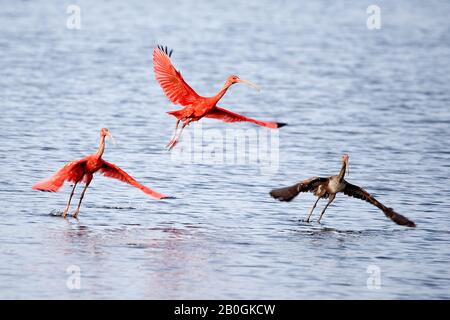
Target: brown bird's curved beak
347 166
250 84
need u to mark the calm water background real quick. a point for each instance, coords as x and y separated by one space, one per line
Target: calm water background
382 96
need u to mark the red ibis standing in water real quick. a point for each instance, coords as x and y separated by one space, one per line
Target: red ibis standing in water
83 170
195 106
327 188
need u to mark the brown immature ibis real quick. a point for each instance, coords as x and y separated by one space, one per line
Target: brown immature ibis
83 171
328 188
195 106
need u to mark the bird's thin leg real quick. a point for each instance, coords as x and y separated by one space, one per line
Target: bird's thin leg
329 202
81 199
174 133
68 203
312 209
177 138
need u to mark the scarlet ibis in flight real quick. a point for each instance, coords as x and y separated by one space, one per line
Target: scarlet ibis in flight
83 171
327 188
195 106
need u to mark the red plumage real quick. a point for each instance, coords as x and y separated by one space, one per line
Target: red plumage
83 170
112 171
195 106
72 172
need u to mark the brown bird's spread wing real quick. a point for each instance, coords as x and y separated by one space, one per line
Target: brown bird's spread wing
170 80
73 172
112 171
359 193
228 116
289 193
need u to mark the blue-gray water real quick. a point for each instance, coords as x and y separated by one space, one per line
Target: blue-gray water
380 95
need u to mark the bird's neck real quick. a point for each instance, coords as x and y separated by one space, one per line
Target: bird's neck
221 93
101 147
342 172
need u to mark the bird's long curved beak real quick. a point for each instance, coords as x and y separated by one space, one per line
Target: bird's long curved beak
111 137
250 84
348 168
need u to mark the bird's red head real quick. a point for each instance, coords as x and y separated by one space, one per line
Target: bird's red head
235 79
104 132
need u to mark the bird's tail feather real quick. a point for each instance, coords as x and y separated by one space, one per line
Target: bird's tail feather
286 194
177 114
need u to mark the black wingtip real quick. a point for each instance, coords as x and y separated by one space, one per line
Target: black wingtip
166 50
409 223
399 219
281 124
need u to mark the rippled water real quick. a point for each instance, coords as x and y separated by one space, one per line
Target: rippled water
380 95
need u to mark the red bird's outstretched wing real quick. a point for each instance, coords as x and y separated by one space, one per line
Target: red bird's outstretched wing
171 81
73 172
228 116
112 171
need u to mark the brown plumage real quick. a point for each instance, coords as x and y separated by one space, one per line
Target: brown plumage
328 188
